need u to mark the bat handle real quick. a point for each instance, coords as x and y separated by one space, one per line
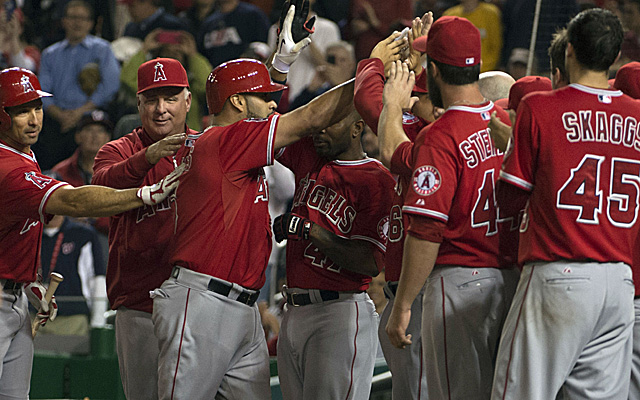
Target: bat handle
54 280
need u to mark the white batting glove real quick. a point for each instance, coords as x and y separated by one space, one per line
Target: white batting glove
288 50
46 311
156 193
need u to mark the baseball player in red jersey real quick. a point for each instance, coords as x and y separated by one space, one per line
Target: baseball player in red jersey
574 160
138 238
337 235
205 317
628 81
29 200
408 373
453 222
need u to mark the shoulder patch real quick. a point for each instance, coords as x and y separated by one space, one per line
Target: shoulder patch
39 181
426 180
383 229
408 119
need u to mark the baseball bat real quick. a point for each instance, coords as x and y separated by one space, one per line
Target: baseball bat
54 280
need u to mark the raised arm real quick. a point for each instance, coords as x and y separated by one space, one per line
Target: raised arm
396 98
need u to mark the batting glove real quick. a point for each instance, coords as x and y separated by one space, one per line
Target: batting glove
46 311
291 226
156 193
288 48
301 27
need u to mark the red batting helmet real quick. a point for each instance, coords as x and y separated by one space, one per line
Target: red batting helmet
17 86
237 76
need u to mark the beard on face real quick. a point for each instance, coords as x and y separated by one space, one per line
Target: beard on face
434 92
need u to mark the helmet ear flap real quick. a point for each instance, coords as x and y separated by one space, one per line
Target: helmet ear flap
5 120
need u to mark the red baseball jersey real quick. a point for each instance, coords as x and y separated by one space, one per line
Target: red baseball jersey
369 86
137 238
223 227
576 151
453 176
367 98
348 198
25 192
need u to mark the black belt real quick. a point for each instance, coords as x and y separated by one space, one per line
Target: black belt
10 286
222 288
393 286
303 299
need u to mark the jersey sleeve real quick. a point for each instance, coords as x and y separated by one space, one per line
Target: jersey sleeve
117 166
248 144
519 163
433 182
401 159
367 96
26 192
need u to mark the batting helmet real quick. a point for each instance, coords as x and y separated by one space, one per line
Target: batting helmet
238 76
17 86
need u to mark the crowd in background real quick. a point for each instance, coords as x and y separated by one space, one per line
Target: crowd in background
87 53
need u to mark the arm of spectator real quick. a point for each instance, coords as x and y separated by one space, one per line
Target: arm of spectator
109 78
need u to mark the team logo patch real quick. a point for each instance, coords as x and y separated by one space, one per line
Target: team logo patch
383 228
26 84
426 180
39 181
67 248
159 74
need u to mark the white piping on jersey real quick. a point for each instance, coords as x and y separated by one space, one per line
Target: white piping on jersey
428 213
272 137
476 110
370 240
27 156
280 152
519 182
590 90
46 197
356 162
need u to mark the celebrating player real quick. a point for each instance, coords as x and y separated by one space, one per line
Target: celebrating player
453 221
408 373
337 231
205 317
29 200
138 239
575 162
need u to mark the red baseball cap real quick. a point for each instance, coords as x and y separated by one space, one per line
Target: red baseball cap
503 103
453 41
161 72
421 83
628 79
526 85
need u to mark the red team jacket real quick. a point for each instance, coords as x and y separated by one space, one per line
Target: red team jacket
25 192
348 198
576 150
138 238
223 226
369 86
453 168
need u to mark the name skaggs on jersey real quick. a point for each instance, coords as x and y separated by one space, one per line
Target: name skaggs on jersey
478 147
327 202
602 128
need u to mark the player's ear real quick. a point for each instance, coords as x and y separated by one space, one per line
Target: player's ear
238 102
357 128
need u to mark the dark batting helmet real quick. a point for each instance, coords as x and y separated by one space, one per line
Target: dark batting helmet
17 86
238 76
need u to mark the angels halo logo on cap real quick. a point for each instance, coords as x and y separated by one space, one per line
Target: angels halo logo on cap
161 72
26 84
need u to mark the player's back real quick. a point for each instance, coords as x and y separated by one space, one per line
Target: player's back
583 170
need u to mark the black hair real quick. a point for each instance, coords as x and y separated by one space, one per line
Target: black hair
557 49
596 36
453 75
80 3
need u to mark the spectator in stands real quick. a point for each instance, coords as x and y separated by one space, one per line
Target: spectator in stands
227 33
631 18
66 69
195 15
72 249
180 46
371 20
303 70
487 18
339 67
14 52
149 15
